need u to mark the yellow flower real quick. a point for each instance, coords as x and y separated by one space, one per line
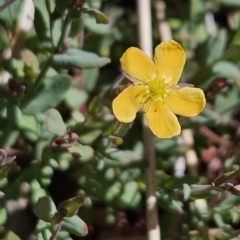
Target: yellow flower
156 91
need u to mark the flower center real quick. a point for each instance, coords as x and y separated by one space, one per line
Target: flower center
157 89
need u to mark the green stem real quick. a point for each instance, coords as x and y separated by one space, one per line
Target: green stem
6 4
37 83
203 189
6 134
117 128
48 5
57 228
47 64
226 177
65 25
217 184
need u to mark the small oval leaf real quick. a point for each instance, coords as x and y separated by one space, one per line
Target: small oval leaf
45 209
54 122
186 191
75 225
99 16
49 94
75 58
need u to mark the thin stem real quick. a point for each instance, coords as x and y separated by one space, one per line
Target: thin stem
47 64
6 4
204 189
145 42
57 228
227 177
6 134
37 83
48 5
116 129
65 25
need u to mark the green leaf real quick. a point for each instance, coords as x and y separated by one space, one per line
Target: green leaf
61 5
168 201
230 3
186 191
123 156
85 153
226 69
11 14
90 77
75 58
45 209
31 62
9 235
17 67
56 31
28 125
50 93
99 16
104 29
75 225
3 216
89 136
63 236
216 46
113 191
13 113
177 182
131 195
46 171
228 203
76 24
201 210
54 122
3 39
41 22
116 140
202 191
12 136
225 177
75 97
70 207
4 171
2 195
6 166
219 220
167 145
206 117
225 102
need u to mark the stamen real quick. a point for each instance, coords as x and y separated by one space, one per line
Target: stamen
147 106
179 86
157 89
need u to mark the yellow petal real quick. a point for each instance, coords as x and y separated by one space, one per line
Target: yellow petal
169 59
127 103
162 122
186 101
138 64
